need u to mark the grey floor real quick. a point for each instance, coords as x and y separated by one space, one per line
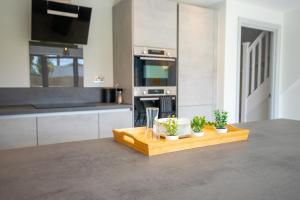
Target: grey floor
265 167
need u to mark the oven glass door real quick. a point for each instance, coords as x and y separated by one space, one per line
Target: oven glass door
141 103
150 71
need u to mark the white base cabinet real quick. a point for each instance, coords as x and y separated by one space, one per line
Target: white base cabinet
114 120
50 128
67 127
17 132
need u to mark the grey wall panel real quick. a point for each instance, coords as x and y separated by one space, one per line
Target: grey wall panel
24 96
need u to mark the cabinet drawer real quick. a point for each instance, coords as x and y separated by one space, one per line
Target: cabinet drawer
67 127
17 132
114 120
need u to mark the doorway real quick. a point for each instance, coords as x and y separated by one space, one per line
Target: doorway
257 73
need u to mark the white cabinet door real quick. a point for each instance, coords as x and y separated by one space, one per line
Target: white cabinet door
155 23
114 120
16 132
196 57
67 127
190 111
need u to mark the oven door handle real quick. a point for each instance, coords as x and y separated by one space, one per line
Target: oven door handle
160 59
149 99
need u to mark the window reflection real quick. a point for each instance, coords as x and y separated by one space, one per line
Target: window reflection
36 71
60 72
52 67
80 72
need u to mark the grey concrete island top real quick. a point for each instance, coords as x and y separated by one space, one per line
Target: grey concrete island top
29 109
267 167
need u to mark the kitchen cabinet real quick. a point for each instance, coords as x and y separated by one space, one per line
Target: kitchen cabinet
155 23
196 70
191 111
17 131
67 127
116 119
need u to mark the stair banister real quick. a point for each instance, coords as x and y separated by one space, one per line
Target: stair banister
254 85
245 79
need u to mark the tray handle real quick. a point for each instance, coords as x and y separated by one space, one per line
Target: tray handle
128 138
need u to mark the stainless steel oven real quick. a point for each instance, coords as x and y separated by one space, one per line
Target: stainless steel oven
155 67
155 82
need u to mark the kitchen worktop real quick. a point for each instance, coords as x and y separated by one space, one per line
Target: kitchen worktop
29 109
265 167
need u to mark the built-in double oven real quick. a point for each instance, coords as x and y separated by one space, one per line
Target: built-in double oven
155 82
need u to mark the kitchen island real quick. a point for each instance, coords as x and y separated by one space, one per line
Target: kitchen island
267 166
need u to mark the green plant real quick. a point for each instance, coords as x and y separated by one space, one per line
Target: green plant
211 123
198 123
220 119
171 126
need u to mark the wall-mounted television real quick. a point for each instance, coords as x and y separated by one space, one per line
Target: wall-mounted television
59 22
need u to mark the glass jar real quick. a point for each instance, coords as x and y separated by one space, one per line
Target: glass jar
119 97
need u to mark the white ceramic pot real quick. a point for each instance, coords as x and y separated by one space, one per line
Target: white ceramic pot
184 127
172 137
222 130
198 134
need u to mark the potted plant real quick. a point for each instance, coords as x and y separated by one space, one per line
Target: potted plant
171 127
197 125
220 121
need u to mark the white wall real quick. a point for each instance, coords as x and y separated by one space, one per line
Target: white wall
290 71
220 54
15 23
14 48
98 54
234 11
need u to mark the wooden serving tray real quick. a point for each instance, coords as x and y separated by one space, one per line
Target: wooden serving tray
135 138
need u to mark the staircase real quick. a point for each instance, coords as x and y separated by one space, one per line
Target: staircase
255 74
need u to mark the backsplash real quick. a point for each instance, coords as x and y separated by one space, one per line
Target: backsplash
25 96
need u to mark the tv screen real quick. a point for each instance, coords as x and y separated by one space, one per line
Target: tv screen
61 23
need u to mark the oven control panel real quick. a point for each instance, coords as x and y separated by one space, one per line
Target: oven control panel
156 52
155 91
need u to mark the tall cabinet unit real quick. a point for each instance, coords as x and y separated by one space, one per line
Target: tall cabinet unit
139 25
196 67
155 23
122 48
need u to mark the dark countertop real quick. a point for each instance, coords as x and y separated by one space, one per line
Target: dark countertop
29 109
266 167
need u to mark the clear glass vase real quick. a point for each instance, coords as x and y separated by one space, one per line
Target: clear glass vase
152 115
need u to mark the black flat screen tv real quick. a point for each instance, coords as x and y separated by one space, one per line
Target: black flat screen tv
60 23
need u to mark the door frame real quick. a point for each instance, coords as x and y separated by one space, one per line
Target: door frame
275 61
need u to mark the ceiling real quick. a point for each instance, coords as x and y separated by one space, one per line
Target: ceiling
278 5
200 2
